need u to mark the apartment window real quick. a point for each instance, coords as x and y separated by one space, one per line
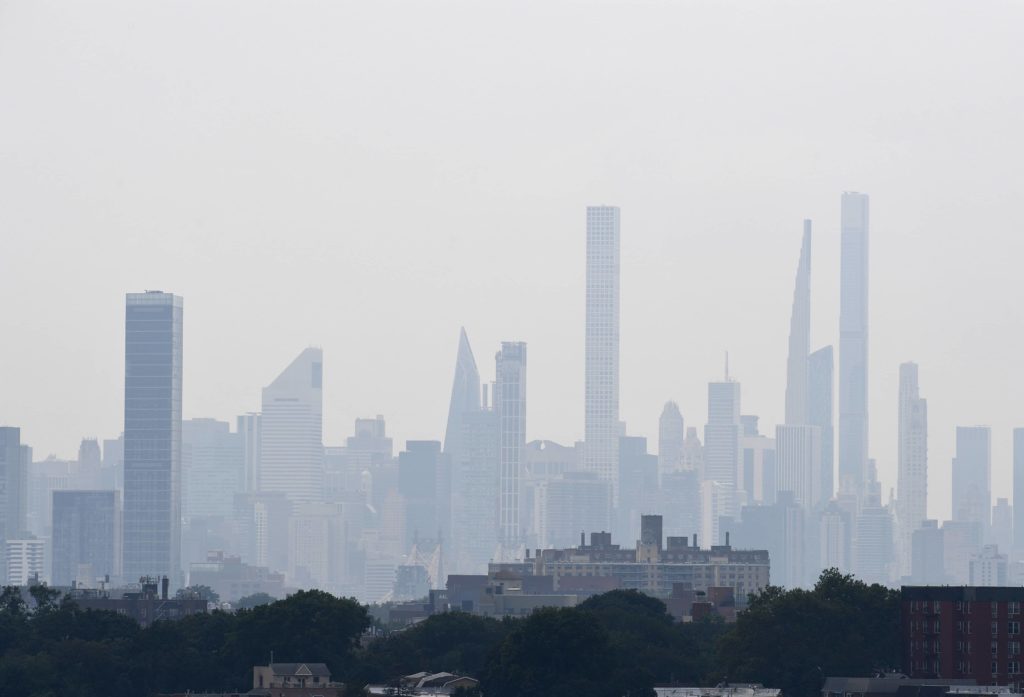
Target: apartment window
936 606
995 649
995 629
1013 668
1014 648
937 626
960 626
995 610
960 646
1013 607
1014 628
967 606
959 666
959 605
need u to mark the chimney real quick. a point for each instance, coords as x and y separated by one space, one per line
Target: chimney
164 585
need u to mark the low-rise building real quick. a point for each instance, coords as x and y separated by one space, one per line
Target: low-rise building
233 580
900 685
144 603
424 683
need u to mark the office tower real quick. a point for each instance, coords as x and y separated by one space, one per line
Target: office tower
835 532
873 549
693 452
928 560
465 395
912 461
960 540
651 531
638 485
1018 490
510 404
113 463
680 502
1002 524
249 427
24 560
421 483
760 473
853 344
569 504
780 529
13 485
972 476
86 537
722 455
671 435
797 366
820 415
601 423
798 460
152 436
988 567
291 442
90 462
475 492
213 466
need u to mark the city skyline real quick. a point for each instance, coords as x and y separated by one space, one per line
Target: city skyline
354 228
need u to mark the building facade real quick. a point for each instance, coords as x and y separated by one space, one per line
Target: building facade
86 537
152 435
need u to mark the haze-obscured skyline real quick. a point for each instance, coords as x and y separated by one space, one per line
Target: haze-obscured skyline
369 178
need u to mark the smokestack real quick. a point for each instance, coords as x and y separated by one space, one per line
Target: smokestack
726 538
695 541
165 584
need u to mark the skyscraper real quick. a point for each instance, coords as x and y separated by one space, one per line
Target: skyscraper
853 344
797 367
722 453
510 404
213 468
671 435
1018 489
465 395
601 422
152 435
798 459
972 476
291 439
912 477
820 415
86 536
13 489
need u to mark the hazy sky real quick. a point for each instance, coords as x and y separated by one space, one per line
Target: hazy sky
367 177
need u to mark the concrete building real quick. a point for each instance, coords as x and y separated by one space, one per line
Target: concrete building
972 476
798 462
820 414
567 504
152 435
912 463
510 405
24 561
291 433
988 567
13 487
759 473
928 555
86 543
213 468
853 343
249 428
233 580
601 400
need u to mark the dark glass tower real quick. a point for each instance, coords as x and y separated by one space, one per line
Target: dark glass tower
152 436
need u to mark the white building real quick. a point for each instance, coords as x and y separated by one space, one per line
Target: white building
912 475
510 404
24 559
798 458
671 437
291 438
988 567
722 454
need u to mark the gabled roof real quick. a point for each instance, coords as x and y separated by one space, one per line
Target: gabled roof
301 669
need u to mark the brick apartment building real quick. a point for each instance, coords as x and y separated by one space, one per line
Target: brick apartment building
963 632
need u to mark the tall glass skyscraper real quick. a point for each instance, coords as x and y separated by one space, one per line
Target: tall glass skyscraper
601 402
510 404
152 436
853 344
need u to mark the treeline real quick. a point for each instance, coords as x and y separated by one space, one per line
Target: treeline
616 644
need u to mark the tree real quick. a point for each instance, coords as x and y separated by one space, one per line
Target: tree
256 599
199 591
791 639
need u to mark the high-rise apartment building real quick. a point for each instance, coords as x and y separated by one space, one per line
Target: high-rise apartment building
912 477
671 436
510 405
853 344
798 462
86 537
291 438
152 436
601 403
13 485
972 476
